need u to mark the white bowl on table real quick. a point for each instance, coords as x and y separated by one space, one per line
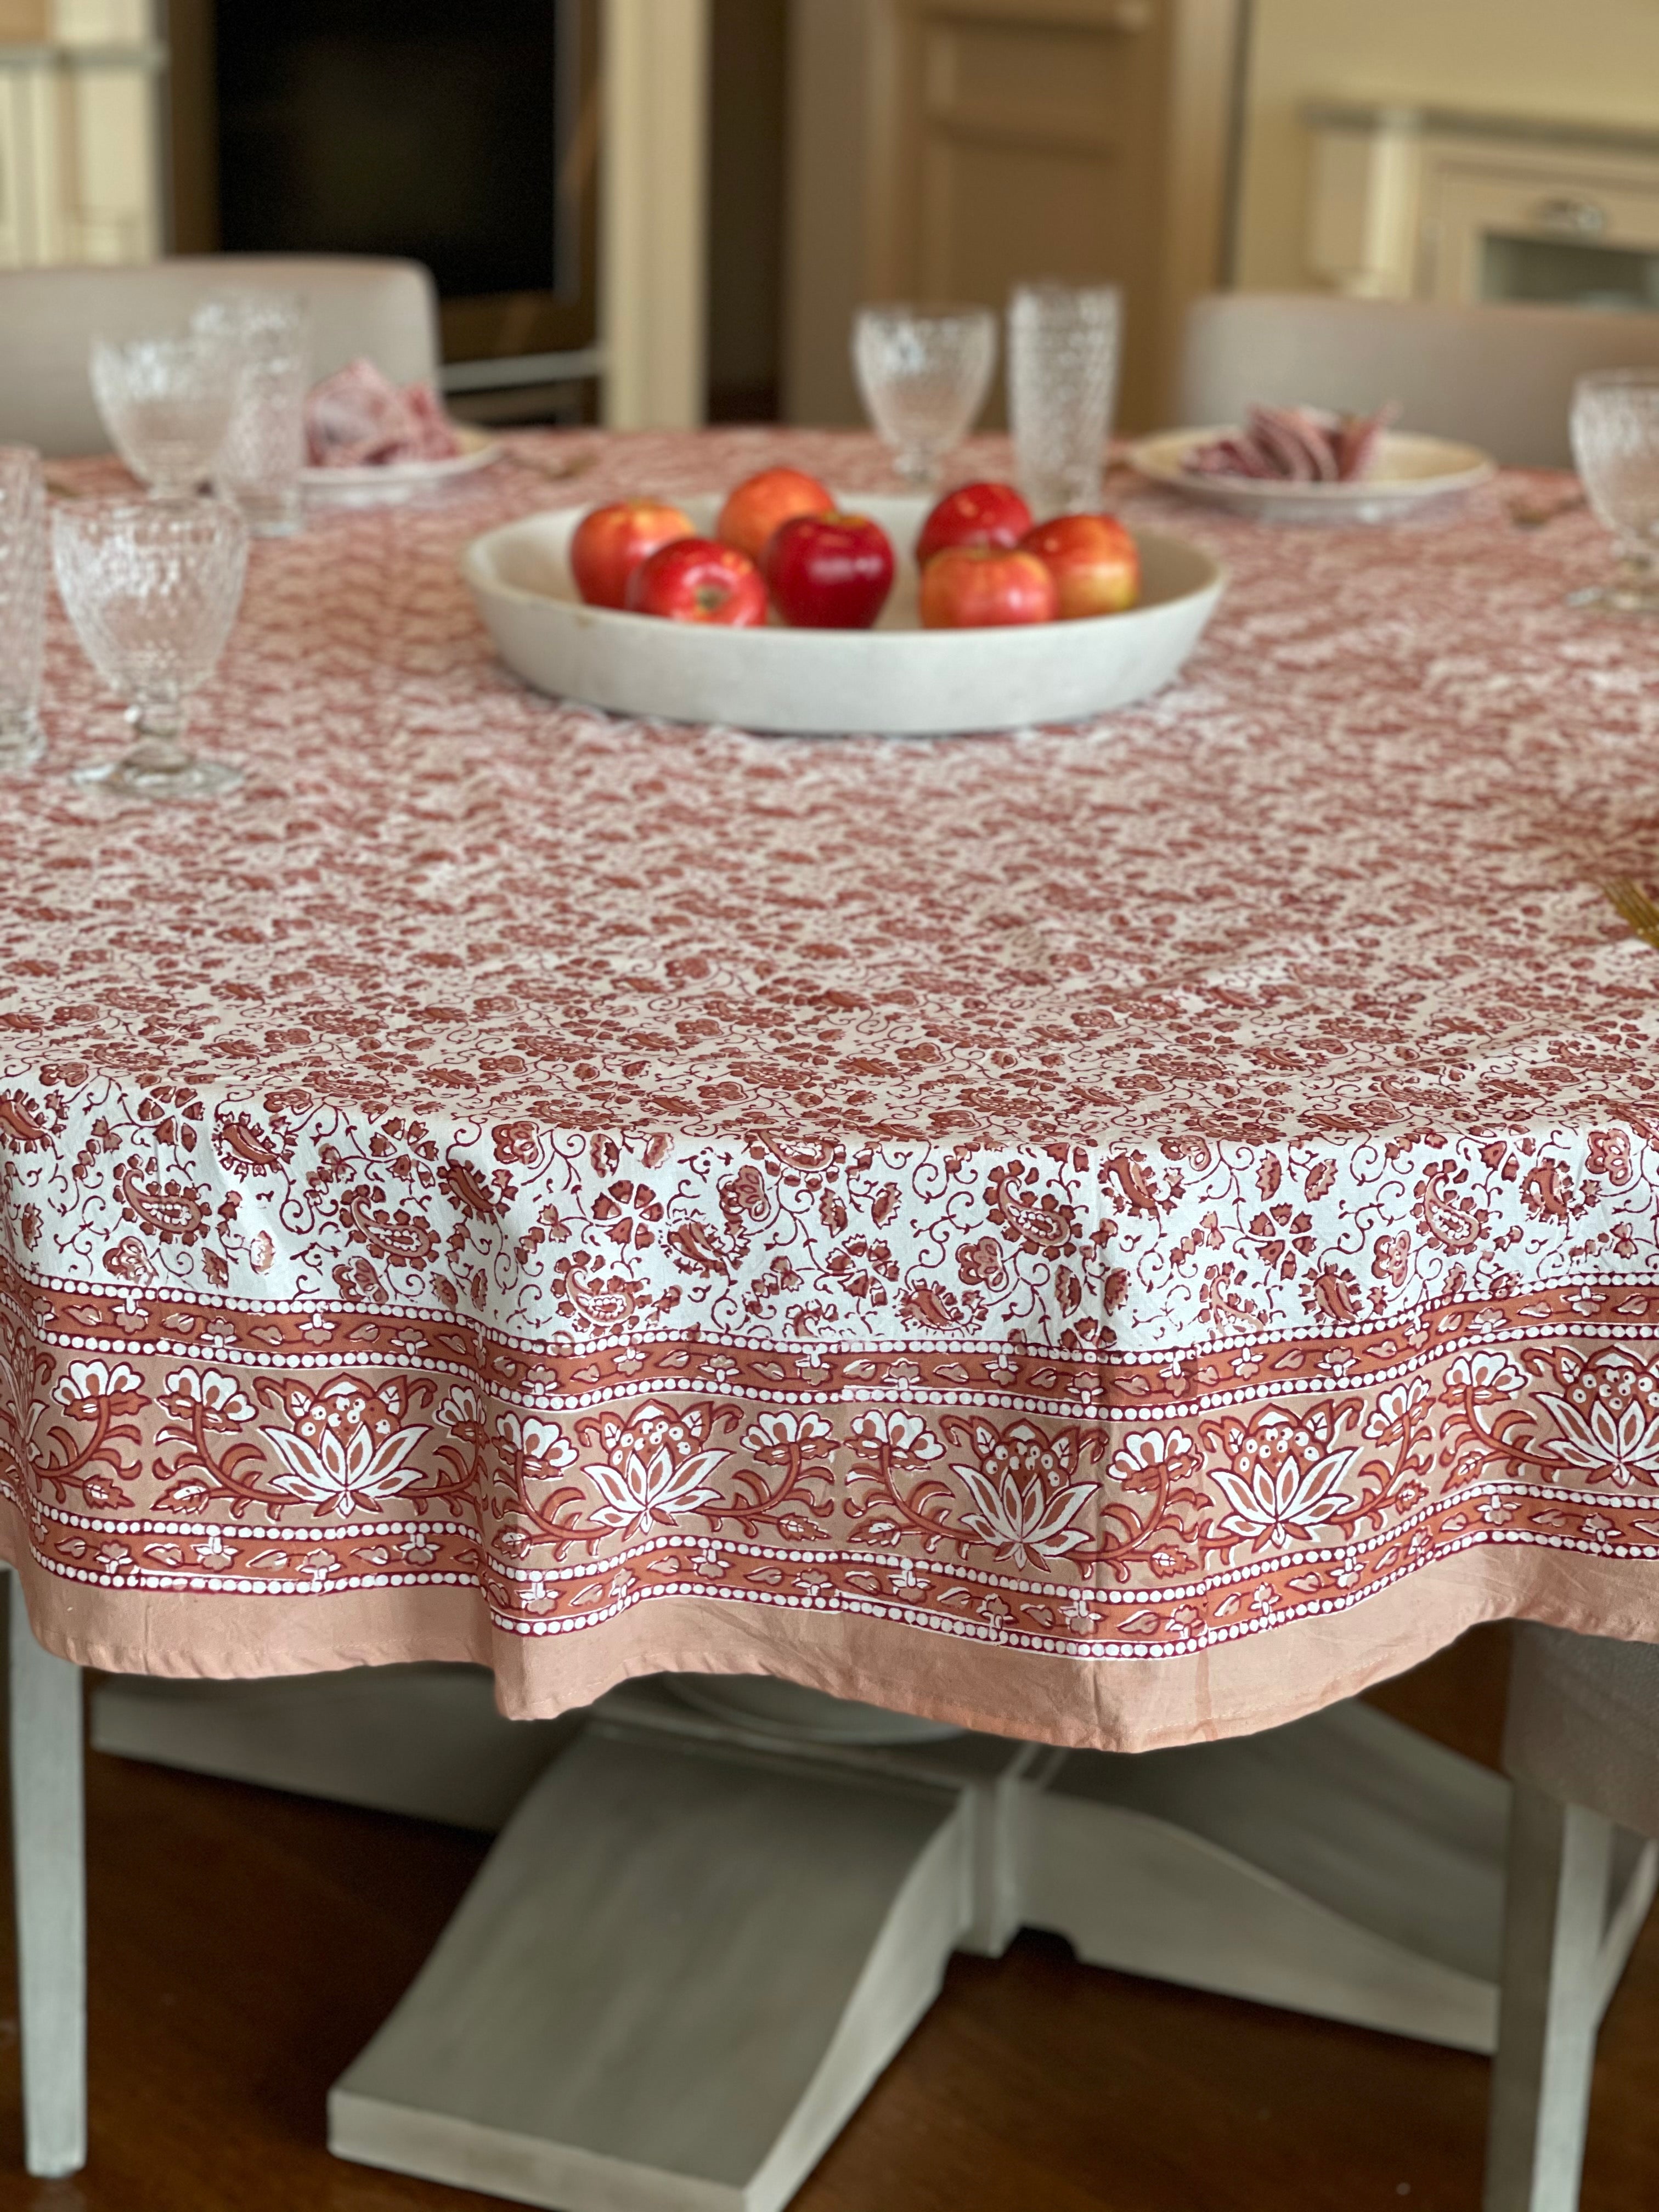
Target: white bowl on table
897 680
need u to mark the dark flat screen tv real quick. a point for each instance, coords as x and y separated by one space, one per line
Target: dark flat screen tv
459 132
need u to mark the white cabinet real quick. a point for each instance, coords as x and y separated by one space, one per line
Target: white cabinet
1560 231
79 138
1409 202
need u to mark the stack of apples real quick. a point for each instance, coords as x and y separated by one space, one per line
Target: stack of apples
983 561
782 545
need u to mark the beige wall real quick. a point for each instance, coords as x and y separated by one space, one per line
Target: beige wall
77 22
89 22
1589 60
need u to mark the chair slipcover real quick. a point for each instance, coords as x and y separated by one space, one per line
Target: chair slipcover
1499 377
49 318
1583 1722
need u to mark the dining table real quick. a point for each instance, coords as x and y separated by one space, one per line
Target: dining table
1114 1236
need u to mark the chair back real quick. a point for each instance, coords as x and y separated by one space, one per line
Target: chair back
49 318
1583 1722
1499 377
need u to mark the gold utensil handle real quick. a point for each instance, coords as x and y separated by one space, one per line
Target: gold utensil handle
1633 906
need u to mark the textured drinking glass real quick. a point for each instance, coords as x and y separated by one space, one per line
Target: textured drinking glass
152 588
1616 442
258 464
22 604
166 404
1062 382
924 372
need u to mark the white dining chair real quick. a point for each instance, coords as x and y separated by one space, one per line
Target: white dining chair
44 1735
1499 377
386 310
1581 1747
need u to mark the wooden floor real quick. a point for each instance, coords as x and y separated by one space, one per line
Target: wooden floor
245 1944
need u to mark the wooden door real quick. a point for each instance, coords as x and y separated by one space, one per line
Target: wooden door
999 140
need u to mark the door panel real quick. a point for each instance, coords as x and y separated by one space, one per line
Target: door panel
988 207
953 147
1032 140
1032 77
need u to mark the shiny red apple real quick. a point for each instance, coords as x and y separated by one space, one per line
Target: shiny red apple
1094 561
610 542
829 571
762 504
696 581
985 586
974 514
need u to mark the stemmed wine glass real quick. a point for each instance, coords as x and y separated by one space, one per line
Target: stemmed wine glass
1616 442
924 372
167 404
152 588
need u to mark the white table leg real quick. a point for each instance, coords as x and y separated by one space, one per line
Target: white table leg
49 1884
1560 1866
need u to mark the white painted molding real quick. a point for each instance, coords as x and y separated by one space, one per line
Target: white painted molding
654 219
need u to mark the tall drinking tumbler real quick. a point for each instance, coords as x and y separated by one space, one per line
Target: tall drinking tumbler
1063 344
22 604
268 334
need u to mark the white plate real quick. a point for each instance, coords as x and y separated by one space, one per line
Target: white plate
897 680
388 484
1408 470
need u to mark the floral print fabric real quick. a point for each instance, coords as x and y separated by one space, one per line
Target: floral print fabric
1096 1193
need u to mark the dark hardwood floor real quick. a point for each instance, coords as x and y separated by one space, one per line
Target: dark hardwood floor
244 1945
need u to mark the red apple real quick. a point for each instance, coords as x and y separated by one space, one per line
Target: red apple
829 571
976 514
610 542
764 503
982 586
1094 561
696 581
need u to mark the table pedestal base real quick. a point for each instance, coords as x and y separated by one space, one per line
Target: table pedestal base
701 1938
678 1973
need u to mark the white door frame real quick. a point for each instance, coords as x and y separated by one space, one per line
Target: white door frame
653 212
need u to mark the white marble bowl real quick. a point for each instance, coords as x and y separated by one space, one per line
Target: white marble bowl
897 680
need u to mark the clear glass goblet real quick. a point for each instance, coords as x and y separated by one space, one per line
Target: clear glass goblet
1616 442
259 463
166 404
22 604
924 372
152 588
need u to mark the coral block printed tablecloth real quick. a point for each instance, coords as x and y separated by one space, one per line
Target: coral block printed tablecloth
954 1221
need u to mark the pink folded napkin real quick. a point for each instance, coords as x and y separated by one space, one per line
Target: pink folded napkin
359 418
